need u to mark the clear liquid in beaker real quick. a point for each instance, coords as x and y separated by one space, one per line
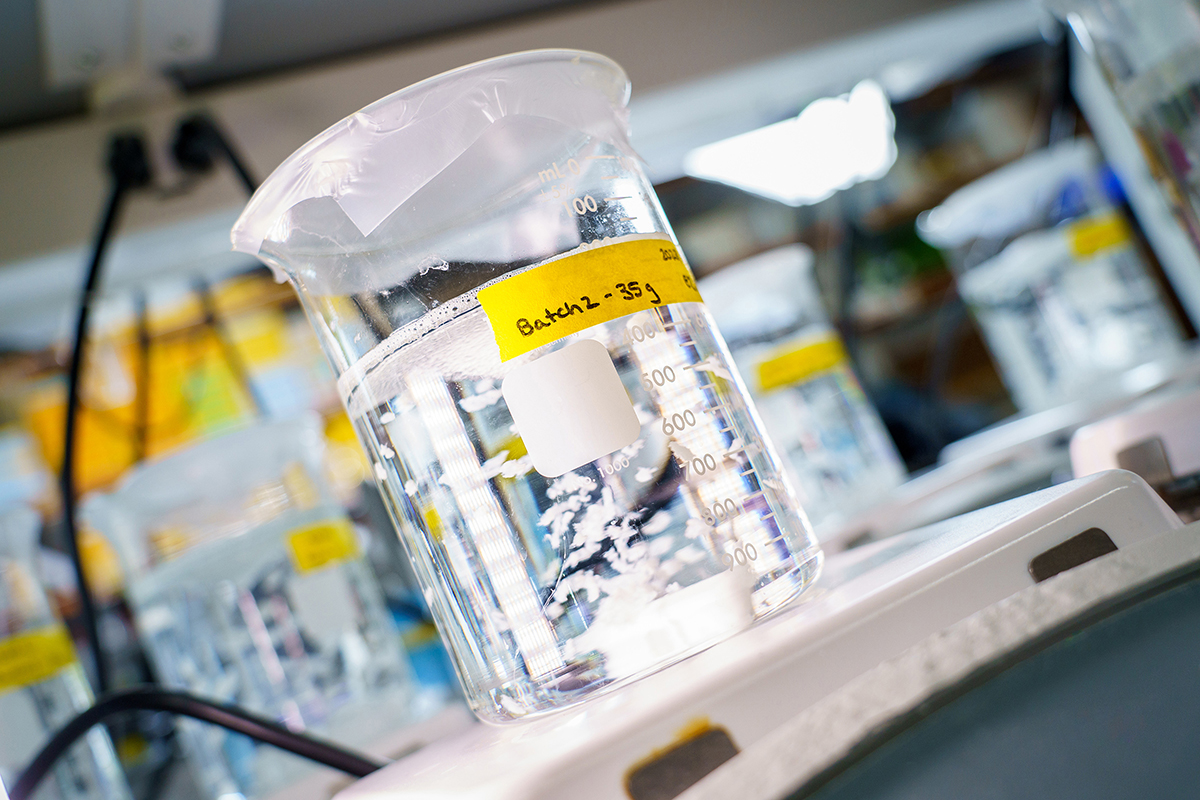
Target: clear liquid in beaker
559 585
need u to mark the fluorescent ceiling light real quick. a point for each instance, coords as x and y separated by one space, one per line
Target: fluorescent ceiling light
835 143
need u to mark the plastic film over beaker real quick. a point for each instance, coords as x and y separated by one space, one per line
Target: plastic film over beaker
567 451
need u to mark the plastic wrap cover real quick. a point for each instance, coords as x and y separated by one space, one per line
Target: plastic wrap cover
371 162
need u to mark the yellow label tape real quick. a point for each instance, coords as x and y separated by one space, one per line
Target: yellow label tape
1092 235
569 294
321 544
795 364
34 656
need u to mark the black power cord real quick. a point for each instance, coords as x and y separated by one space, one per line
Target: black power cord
129 169
189 705
198 140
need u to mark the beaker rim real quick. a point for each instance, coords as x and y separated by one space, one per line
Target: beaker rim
303 175
619 96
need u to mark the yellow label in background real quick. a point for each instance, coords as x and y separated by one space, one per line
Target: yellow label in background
796 363
321 544
577 291
261 337
34 656
1097 233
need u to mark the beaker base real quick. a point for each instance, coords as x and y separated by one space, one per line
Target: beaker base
643 647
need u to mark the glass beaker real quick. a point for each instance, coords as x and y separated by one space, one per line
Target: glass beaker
567 451
247 585
42 684
769 309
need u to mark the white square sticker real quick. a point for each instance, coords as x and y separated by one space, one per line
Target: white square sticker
570 407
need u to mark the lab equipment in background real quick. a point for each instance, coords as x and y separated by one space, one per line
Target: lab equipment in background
1036 191
812 406
42 684
575 469
1148 51
174 362
1159 439
156 379
1067 302
247 586
1065 309
1022 454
